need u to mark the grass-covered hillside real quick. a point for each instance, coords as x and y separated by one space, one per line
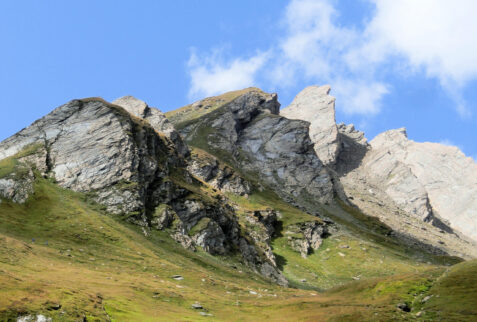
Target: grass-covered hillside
66 259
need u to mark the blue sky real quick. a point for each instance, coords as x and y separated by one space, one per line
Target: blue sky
390 63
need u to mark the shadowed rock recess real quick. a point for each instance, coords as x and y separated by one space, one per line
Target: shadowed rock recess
279 192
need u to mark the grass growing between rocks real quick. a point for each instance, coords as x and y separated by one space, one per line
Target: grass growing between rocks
342 258
190 112
62 257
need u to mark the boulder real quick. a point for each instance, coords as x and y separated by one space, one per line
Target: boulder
305 237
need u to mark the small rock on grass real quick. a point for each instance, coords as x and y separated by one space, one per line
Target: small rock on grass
177 277
427 298
197 306
404 307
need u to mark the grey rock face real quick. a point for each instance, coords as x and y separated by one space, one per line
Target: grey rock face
312 234
315 105
18 190
448 178
392 177
222 177
262 228
155 117
413 186
396 178
90 145
264 267
249 132
212 238
281 151
123 162
353 148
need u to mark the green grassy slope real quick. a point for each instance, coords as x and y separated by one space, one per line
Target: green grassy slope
59 250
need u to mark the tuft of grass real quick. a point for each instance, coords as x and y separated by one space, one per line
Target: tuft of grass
7 166
201 225
453 297
12 165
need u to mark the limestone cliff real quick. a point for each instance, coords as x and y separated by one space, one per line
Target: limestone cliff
315 105
422 190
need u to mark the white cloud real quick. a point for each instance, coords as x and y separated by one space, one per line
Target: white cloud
438 35
359 97
435 38
315 48
210 75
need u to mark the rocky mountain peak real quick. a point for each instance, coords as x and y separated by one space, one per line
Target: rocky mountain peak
155 118
127 158
315 105
248 131
133 105
427 183
390 137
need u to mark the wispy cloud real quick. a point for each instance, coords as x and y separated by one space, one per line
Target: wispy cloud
211 74
434 38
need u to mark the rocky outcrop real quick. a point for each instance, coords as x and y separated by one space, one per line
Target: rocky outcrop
339 146
315 105
124 161
92 146
385 166
155 117
305 237
353 148
17 189
422 190
218 175
443 179
249 133
262 227
404 184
